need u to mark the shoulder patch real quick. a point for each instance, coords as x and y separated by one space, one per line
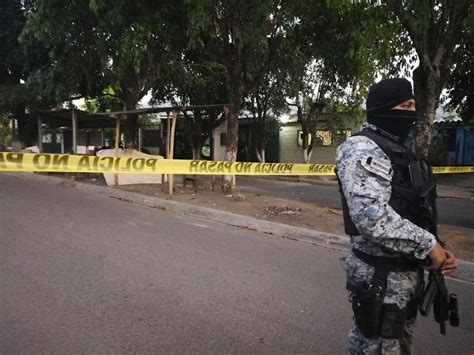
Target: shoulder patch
379 167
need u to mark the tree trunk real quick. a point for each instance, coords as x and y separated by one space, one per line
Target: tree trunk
197 149
131 126
233 116
305 144
232 137
197 136
306 155
434 35
261 154
427 92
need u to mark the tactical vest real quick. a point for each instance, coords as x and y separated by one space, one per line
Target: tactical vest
413 185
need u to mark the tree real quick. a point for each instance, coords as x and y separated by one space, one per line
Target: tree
68 32
94 44
265 104
197 80
146 38
266 100
337 49
435 29
11 24
15 96
243 31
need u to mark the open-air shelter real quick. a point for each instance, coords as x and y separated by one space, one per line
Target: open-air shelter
74 120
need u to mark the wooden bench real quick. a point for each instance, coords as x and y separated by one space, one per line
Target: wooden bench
196 178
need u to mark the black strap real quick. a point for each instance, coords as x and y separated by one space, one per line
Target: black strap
390 264
384 265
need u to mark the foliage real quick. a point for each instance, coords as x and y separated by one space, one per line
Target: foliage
95 45
5 134
198 79
266 102
340 48
14 96
106 101
460 85
241 34
435 29
320 56
69 33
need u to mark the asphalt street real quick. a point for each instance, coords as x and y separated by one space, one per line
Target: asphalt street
82 273
453 212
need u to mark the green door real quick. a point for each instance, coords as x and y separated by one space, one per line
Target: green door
51 142
272 150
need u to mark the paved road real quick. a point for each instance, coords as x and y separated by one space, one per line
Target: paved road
453 212
87 274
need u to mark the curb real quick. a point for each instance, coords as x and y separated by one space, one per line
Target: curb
331 181
332 241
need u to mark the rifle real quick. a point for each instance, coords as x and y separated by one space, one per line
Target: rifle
445 306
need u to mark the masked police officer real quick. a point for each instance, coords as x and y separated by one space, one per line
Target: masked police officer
389 210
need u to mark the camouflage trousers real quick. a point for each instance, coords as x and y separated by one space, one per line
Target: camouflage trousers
401 288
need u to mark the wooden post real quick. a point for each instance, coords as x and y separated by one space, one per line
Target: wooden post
174 116
117 139
74 132
161 137
140 139
168 131
13 123
62 141
40 135
167 146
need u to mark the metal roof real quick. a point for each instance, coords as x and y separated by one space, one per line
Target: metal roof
63 118
160 109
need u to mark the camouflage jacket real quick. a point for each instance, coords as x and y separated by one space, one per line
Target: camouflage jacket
367 190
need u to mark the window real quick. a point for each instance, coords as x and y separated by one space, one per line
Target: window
47 138
325 138
223 139
299 138
340 136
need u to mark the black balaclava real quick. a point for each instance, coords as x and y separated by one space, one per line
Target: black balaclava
382 97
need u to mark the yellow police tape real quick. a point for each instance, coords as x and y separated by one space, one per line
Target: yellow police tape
133 165
453 169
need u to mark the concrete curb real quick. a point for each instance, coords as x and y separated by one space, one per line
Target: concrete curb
336 242
443 189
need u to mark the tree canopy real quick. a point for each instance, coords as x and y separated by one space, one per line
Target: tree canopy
257 55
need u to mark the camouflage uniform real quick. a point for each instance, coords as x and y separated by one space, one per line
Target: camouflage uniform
383 232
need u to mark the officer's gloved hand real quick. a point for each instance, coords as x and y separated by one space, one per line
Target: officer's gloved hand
451 264
437 258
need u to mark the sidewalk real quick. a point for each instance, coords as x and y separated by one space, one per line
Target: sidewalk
292 228
455 186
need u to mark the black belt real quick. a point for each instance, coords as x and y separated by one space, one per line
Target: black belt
400 264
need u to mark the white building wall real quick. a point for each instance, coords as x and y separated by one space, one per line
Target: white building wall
219 147
290 152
